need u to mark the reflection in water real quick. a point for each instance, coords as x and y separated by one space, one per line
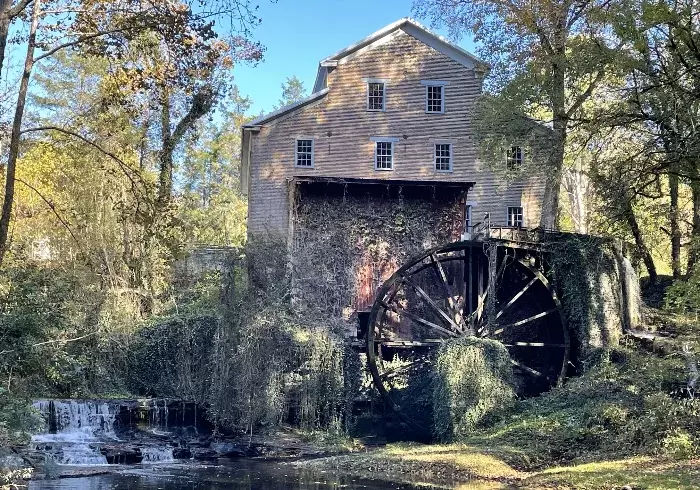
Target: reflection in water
240 474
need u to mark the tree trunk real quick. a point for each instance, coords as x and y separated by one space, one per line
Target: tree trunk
4 29
642 248
8 200
165 172
694 248
550 203
673 222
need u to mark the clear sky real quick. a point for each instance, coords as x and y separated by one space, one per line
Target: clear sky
299 33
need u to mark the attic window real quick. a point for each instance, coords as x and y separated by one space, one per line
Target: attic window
375 96
514 157
443 157
304 153
434 99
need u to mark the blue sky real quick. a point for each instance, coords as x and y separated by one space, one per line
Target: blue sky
299 33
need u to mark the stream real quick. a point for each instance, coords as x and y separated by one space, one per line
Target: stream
163 444
246 474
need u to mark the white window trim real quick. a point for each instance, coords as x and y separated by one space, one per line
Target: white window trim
469 212
442 99
523 218
376 140
375 80
522 153
448 143
296 152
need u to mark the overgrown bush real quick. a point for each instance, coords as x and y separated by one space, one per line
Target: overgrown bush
16 419
619 407
473 385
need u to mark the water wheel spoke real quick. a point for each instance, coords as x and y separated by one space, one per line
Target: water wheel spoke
525 368
417 319
447 289
409 344
393 372
433 305
517 296
524 321
535 344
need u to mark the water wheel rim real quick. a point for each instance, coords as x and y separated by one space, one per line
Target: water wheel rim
373 345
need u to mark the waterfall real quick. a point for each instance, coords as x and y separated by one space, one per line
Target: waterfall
154 454
73 427
128 431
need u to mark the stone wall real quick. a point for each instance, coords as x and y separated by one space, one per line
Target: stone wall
599 289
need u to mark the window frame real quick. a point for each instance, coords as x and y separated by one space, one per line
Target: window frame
451 157
516 165
468 216
433 84
522 216
296 152
391 141
368 82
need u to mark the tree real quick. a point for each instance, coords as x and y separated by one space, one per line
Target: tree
106 27
544 55
292 91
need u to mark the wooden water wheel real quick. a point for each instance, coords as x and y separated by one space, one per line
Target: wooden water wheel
485 289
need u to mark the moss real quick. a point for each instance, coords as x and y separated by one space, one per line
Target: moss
586 273
473 385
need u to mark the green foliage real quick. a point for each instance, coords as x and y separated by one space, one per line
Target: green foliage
17 419
585 270
618 408
683 296
473 385
679 444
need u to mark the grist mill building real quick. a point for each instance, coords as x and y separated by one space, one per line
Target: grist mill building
378 163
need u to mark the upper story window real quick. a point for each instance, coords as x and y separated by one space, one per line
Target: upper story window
515 157
515 216
304 153
384 155
376 95
443 157
434 96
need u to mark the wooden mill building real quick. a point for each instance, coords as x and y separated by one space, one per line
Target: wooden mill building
379 162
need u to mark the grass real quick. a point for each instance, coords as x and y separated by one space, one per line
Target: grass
464 466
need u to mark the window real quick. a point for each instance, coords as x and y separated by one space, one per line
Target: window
384 155
515 216
375 96
434 99
304 154
468 217
514 157
443 157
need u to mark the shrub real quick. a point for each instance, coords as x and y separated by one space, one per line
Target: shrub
679 445
473 385
619 407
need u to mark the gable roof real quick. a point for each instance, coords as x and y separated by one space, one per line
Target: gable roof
412 28
286 109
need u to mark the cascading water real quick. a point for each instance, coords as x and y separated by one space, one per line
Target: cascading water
74 429
157 454
98 432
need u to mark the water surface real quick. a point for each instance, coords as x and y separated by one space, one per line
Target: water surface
239 474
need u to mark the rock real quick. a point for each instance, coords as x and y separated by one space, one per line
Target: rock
229 449
121 454
181 453
203 453
10 461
